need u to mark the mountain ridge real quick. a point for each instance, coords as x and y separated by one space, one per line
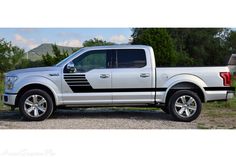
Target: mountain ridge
37 52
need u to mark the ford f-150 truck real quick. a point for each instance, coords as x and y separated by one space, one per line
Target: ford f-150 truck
118 75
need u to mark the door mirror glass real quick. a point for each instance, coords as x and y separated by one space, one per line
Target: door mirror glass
71 67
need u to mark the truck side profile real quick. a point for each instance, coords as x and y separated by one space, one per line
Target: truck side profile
118 75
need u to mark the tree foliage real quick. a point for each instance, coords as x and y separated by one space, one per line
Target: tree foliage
96 42
187 46
206 46
161 43
56 57
10 56
26 63
232 42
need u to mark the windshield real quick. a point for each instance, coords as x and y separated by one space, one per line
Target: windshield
67 58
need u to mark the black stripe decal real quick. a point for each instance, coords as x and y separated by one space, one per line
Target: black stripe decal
80 75
219 88
70 79
79 84
160 89
91 90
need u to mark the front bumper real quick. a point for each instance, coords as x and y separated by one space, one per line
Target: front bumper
9 99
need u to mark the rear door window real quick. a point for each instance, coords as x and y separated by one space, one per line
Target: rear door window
131 58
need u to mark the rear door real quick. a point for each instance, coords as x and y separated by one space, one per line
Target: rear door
132 77
91 82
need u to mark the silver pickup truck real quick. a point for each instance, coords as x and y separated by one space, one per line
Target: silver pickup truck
119 75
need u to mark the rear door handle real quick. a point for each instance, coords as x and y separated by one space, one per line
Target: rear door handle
144 75
104 76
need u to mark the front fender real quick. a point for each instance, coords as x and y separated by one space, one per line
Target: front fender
19 84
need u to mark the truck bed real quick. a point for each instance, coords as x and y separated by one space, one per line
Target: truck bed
210 76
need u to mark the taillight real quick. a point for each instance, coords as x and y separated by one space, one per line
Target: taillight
226 78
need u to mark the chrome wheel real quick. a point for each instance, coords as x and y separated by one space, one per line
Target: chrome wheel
35 106
185 106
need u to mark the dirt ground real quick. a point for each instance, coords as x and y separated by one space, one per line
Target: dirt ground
100 118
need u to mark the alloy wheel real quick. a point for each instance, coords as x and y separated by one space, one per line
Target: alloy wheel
35 105
185 106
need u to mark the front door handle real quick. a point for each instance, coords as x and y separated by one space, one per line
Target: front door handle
144 75
104 76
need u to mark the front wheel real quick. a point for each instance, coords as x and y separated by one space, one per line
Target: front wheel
36 105
185 105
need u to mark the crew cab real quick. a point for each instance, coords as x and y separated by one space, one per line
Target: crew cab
118 75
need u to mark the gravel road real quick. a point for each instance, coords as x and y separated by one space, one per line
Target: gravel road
96 119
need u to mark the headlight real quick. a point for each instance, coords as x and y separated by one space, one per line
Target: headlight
9 81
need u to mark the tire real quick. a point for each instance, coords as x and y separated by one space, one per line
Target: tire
36 105
185 105
165 109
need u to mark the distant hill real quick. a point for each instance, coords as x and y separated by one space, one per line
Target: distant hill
43 49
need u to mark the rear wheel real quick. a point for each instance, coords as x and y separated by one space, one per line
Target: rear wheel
185 105
36 105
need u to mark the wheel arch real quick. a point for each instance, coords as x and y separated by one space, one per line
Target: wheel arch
36 86
185 85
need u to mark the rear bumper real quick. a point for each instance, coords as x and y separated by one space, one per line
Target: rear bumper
230 95
9 99
219 93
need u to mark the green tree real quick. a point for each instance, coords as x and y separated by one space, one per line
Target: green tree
26 63
232 41
10 56
204 46
56 57
161 43
96 42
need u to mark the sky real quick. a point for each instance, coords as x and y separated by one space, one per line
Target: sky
29 38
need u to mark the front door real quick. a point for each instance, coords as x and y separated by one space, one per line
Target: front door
91 81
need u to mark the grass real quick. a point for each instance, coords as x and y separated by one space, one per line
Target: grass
230 104
202 126
221 109
219 114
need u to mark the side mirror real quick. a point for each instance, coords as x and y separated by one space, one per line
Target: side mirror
71 67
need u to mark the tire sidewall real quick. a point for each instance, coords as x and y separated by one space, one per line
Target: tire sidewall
174 113
42 93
